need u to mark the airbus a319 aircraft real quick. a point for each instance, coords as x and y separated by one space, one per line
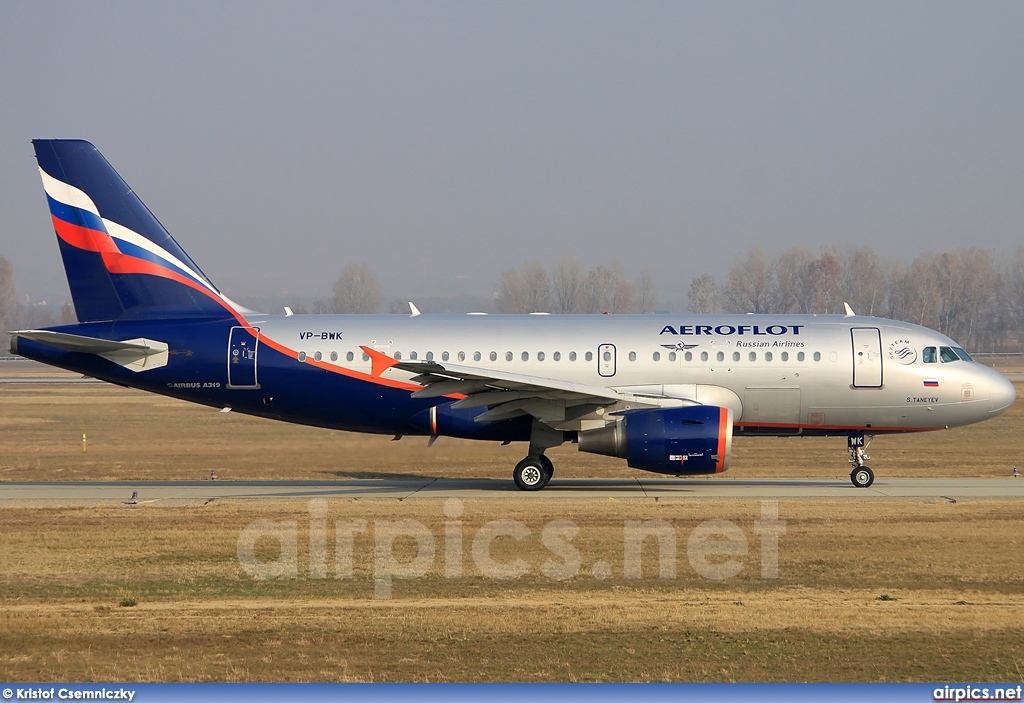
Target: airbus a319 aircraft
665 392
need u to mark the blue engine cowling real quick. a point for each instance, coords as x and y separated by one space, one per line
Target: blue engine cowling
445 421
690 440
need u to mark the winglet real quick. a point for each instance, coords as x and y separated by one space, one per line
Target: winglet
415 310
849 310
381 362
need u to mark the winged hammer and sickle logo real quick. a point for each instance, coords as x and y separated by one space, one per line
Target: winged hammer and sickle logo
679 346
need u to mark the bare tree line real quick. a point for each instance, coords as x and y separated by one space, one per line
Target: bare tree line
14 315
355 292
966 294
564 288
567 288
8 302
971 294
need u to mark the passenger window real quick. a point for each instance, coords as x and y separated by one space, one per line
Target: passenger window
720 356
508 356
398 356
462 356
494 356
302 356
946 354
366 357
318 356
785 356
767 356
929 356
557 356
350 356
572 356
799 356
752 356
817 356
444 356
632 356
540 356
476 356
526 356
735 356
703 356
589 356
334 356
414 356
688 356
430 356
672 356
657 356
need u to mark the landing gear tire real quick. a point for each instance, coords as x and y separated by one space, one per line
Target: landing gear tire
530 474
862 477
549 468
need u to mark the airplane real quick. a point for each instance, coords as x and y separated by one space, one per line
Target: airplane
665 392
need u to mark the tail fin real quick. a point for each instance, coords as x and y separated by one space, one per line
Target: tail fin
120 261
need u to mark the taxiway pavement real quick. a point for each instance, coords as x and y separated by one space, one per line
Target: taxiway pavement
405 487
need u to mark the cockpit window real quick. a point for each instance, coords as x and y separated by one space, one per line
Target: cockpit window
946 354
928 354
962 354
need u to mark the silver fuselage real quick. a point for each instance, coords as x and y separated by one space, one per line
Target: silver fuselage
782 374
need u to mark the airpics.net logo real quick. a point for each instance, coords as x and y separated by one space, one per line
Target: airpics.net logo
407 549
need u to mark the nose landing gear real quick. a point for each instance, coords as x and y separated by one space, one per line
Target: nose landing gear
861 476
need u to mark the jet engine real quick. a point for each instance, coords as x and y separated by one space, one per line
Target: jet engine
695 439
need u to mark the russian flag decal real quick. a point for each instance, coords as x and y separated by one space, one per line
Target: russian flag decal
931 383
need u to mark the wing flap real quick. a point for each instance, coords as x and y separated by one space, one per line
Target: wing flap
507 395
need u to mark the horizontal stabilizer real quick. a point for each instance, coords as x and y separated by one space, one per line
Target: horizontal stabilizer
135 354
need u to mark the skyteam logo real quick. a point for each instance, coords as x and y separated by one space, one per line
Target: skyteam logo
901 351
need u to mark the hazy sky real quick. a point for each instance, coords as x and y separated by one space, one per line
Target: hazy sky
442 142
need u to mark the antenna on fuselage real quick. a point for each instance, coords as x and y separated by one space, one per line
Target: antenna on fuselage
415 310
849 310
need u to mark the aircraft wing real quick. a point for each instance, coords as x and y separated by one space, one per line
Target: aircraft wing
507 395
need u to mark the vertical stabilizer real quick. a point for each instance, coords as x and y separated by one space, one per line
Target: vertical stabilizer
120 261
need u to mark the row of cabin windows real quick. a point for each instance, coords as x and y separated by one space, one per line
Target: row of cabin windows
607 356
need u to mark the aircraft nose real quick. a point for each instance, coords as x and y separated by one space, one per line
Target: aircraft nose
1001 393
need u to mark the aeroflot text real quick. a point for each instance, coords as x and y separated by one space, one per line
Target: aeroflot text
66 694
726 330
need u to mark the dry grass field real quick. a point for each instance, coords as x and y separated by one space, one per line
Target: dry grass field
865 591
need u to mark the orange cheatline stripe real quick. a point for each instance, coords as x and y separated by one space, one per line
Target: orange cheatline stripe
723 427
379 361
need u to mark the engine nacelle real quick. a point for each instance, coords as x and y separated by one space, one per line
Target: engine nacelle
689 440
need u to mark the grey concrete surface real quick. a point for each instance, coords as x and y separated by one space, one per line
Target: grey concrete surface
406 487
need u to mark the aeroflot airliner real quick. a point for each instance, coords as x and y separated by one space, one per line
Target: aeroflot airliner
666 393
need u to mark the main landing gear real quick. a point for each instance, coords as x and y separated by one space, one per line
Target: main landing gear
533 473
861 476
